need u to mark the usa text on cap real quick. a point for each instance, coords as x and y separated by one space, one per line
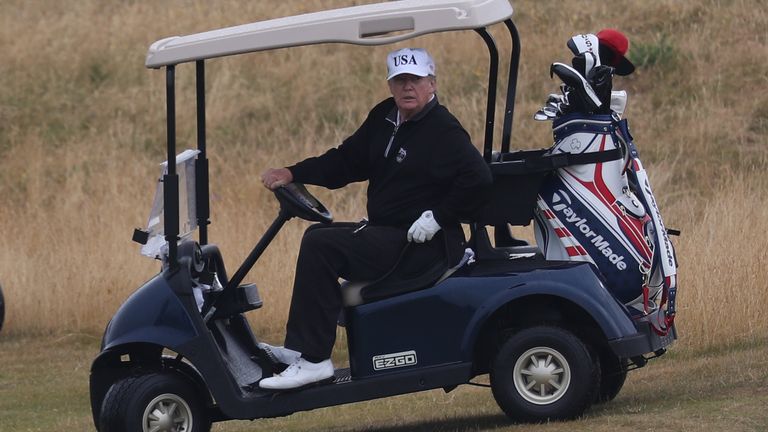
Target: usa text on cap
414 61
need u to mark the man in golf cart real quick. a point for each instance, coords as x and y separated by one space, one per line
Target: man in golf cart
424 176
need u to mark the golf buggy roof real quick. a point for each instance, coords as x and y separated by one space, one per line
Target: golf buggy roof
374 24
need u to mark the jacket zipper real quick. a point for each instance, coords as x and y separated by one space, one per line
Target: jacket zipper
391 139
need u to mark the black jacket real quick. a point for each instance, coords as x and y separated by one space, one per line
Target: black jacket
431 164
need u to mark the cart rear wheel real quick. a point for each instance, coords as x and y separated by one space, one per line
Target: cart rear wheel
157 402
544 373
614 373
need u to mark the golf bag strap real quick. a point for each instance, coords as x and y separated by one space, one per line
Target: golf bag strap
561 160
661 240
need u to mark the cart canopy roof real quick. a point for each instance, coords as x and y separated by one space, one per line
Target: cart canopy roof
375 24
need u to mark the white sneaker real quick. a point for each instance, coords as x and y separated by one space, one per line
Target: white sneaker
280 354
299 374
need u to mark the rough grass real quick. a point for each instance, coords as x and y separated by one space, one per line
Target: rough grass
82 133
44 387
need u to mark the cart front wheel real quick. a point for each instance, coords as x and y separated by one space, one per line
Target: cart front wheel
157 402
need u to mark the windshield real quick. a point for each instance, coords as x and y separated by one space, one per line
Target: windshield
156 246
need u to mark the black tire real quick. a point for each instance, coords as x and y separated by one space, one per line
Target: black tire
165 399
2 307
613 375
554 362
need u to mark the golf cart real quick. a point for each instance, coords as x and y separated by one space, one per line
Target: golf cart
179 354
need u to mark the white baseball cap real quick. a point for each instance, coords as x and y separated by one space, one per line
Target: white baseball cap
414 61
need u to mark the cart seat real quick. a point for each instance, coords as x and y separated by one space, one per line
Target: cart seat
352 291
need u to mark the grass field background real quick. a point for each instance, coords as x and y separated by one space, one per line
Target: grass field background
82 134
41 392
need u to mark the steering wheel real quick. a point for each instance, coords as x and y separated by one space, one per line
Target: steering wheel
297 201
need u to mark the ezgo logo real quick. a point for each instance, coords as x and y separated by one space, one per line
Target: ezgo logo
395 360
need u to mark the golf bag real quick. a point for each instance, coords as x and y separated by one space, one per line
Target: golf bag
601 209
605 213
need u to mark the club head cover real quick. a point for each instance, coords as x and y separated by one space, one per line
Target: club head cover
584 63
582 97
619 101
585 48
613 50
601 79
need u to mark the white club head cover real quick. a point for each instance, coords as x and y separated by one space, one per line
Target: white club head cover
424 228
618 101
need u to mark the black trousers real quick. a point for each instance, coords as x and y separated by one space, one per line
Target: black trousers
329 252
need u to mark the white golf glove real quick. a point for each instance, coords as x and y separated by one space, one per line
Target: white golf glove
424 228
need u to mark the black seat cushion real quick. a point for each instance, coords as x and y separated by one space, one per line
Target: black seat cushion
419 266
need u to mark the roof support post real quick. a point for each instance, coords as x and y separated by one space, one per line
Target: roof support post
514 63
171 179
490 109
201 165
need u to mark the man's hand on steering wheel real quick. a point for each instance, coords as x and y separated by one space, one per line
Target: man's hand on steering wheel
273 178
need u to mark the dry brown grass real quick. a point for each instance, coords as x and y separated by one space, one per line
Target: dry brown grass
82 131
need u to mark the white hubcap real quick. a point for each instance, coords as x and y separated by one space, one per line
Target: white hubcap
542 375
167 413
